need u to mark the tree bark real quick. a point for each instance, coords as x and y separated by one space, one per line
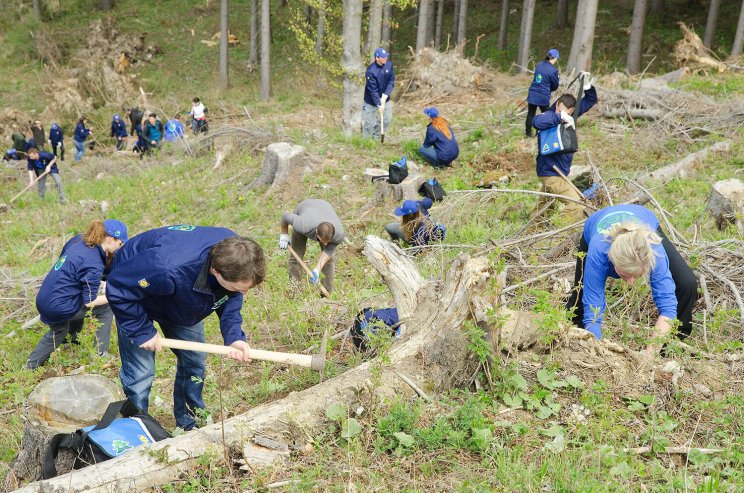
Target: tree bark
319 43
525 34
424 15
561 15
503 25
657 7
580 57
462 21
265 50
635 43
375 26
431 23
104 5
387 19
37 9
224 33
711 23
283 163
432 353
351 63
736 50
253 49
455 19
438 25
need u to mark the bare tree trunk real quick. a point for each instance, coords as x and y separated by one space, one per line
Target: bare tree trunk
462 21
455 19
224 78
525 34
710 25
657 7
351 62
253 47
37 9
319 43
375 26
431 23
387 19
504 25
423 24
438 25
635 43
265 50
106 5
739 37
561 15
580 57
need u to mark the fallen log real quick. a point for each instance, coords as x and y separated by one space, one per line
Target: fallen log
432 353
632 113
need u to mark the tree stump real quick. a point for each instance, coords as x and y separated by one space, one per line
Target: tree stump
726 204
432 354
385 191
283 163
58 405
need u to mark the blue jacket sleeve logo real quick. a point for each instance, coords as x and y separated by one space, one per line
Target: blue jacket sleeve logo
143 283
60 262
219 302
182 227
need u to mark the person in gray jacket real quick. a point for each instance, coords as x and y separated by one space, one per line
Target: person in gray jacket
313 219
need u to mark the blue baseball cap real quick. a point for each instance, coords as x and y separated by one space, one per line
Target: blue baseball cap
381 53
553 53
431 112
408 207
55 125
116 117
116 229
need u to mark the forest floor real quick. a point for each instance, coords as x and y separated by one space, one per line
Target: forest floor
546 419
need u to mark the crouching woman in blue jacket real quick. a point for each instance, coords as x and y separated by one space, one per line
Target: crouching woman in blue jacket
416 227
626 242
440 145
72 286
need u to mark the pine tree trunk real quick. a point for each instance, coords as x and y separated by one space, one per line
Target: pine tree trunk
37 9
504 25
525 34
423 24
580 57
253 49
438 28
462 21
657 7
351 62
635 43
265 50
739 37
431 23
561 15
710 25
387 19
375 26
224 78
319 43
455 19
105 5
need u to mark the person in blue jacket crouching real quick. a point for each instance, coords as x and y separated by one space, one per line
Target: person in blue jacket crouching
416 227
440 145
177 276
626 242
72 287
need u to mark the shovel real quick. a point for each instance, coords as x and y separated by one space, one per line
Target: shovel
36 180
382 124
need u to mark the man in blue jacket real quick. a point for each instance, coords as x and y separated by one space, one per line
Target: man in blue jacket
562 112
119 130
176 276
544 82
40 162
57 140
380 80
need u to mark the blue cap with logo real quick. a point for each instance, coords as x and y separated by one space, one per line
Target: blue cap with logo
116 229
431 112
553 53
408 207
116 117
381 53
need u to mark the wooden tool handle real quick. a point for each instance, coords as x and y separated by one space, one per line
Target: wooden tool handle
570 183
305 360
36 180
309 272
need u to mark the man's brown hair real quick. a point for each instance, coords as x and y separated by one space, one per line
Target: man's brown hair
325 232
239 259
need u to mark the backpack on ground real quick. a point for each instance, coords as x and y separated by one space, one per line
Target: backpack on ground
432 189
398 171
369 321
560 139
110 438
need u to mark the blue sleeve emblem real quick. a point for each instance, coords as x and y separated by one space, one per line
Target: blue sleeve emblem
538 78
219 302
182 227
143 283
60 262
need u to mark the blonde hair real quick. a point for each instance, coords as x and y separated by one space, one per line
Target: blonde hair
95 234
631 250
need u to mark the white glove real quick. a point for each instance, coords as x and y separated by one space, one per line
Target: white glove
384 98
586 77
283 241
567 119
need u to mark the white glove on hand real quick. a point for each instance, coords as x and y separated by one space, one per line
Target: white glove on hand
283 241
384 99
586 77
567 119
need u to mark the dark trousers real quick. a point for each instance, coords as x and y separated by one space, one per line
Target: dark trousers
59 150
531 111
685 286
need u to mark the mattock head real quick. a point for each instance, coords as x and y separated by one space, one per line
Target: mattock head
318 361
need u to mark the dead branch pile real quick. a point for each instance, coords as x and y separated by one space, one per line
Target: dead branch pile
691 52
12 120
445 72
95 75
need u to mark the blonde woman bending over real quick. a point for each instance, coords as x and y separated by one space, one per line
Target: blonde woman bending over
626 242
